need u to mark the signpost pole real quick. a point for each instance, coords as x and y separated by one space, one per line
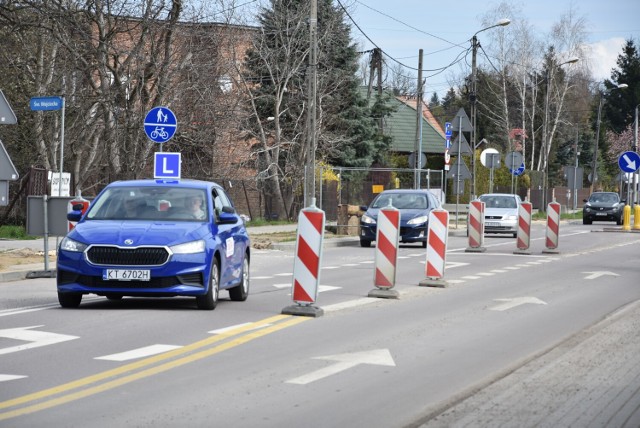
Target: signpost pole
60 169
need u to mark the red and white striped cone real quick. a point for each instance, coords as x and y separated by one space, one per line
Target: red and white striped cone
475 227
306 265
524 229
553 228
436 248
386 257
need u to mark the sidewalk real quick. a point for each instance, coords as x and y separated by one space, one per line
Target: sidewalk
590 379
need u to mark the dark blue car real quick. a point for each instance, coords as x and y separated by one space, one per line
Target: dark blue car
414 206
156 238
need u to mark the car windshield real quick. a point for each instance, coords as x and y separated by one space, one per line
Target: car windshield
498 201
401 201
149 203
604 198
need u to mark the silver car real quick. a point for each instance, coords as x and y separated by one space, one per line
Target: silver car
501 213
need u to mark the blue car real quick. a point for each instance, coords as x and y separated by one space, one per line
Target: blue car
414 206
155 238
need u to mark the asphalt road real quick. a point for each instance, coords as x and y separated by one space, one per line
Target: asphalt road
513 340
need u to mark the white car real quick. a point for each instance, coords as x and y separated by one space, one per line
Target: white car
501 213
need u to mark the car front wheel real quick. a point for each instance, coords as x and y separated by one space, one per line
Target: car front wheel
209 300
586 221
365 243
69 300
240 292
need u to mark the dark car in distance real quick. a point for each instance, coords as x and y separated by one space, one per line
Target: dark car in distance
603 206
414 207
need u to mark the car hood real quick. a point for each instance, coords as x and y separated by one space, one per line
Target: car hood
500 211
603 204
115 232
405 214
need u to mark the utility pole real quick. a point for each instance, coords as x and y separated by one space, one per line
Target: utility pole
418 144
310 173
635 149
473 97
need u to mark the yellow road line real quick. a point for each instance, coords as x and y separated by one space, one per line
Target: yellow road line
80 383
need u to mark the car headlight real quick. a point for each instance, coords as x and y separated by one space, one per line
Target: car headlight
511 217
419 220
69 244
189 247
587 208
368 219
617 208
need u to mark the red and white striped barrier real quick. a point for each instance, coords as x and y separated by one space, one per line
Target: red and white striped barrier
306 265
386 256
475 227
387 237
524 228
436 248
553 228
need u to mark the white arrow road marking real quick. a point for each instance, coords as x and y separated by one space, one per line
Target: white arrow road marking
379 357
6 377
147 351
598 274
512 303
36 338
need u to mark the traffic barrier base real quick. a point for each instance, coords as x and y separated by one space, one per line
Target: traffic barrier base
384 293
431 282
303 311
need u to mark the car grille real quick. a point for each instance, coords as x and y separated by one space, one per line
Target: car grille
116 256
493 217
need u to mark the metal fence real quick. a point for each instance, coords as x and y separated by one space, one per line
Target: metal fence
358 186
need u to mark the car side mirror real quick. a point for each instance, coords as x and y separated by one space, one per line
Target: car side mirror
75 215
228 216
363 207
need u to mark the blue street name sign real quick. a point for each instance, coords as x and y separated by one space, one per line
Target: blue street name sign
45 103
160 124
629 162
166 165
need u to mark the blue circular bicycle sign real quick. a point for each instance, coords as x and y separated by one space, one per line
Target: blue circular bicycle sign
160 124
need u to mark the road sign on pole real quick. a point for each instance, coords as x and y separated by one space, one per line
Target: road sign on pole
167 165
629 161
160 124
7 116
45 103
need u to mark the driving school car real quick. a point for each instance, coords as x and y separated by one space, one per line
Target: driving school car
143 238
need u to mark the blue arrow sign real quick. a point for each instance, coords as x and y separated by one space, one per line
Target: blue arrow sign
160 124
518 171
166 165
45 103
629 162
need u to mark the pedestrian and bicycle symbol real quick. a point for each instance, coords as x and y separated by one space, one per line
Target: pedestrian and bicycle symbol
160 124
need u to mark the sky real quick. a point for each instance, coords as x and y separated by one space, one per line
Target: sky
400 29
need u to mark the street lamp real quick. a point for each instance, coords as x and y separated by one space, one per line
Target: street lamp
594 173
473 97
546 146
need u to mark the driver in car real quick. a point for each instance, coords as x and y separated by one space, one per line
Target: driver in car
194 205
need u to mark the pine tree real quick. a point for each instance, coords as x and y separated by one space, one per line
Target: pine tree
619 107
